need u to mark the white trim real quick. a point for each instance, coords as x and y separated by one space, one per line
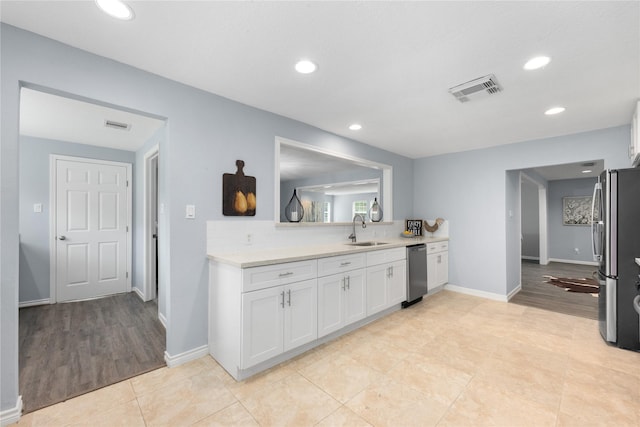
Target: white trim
533 258
139 293
53 265
573 261
187 356
34 302
514 292
149 290
162 319
11 415
387 174
476 293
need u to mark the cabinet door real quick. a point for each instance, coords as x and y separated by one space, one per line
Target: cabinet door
331 296
376 288
262 316
397 283
442 271
432 271
300 314
355 297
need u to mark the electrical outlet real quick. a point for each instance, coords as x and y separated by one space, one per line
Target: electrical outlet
190 212
249 238
576 250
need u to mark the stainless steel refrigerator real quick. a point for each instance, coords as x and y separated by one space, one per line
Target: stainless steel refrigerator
615 233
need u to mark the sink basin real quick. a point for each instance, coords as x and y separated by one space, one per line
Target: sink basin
367 243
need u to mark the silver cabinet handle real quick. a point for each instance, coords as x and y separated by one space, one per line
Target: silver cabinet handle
282 294
439 259
344 264
344 281
62 238
348 282
289 294
288 273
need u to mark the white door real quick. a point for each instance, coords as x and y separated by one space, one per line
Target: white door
262 330
91 221
376 288
355 296
397 283
300 314
331 294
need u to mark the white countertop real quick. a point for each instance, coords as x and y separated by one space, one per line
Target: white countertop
255 258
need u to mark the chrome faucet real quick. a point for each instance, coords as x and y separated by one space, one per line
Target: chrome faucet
352 236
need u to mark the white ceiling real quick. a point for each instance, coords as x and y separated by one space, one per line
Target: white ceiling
386 65
49 116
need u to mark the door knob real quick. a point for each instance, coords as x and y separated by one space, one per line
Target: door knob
62 238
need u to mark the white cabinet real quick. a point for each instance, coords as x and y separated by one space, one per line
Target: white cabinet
386 279
437 264
634 146
277 319
341 300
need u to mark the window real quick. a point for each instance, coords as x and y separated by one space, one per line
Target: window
360 207
326 212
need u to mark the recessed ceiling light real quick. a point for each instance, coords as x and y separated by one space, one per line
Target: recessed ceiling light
305 66
355 126
587 171
537 62
116 8
554 110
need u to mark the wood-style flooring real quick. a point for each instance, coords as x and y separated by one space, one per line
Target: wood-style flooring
72 348
537 293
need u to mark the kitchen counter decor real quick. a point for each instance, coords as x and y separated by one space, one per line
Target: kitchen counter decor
294 210
433 228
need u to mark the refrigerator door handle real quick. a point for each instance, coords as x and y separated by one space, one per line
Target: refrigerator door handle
596 228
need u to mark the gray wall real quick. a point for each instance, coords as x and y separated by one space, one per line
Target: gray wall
34 188
563 239
530 220
472 190
205 135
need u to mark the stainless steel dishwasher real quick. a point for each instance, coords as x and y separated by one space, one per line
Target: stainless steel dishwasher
416 273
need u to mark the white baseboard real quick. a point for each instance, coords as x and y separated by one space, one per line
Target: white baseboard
31 303
11 415
533 258
139 293
573 261
476 293
513 292
187 356
162 319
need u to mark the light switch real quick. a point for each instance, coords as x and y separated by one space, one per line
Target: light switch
37 207
191 212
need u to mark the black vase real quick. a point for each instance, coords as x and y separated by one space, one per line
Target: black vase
294 210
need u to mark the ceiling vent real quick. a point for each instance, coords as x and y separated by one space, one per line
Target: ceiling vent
487 85
117 125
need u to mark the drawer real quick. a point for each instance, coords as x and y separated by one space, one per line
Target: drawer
255 278
437 247
337 264
386 255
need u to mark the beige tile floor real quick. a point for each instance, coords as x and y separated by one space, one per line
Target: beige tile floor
452 360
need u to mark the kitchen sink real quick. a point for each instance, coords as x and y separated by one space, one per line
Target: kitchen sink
367 243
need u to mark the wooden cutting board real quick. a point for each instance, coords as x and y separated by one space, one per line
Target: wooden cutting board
238 193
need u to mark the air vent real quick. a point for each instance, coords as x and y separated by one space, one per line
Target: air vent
117 125
480 86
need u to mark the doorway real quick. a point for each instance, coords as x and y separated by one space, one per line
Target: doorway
99 341
151 224
90 217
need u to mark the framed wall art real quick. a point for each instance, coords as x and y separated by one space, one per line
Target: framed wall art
576 210
414 226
